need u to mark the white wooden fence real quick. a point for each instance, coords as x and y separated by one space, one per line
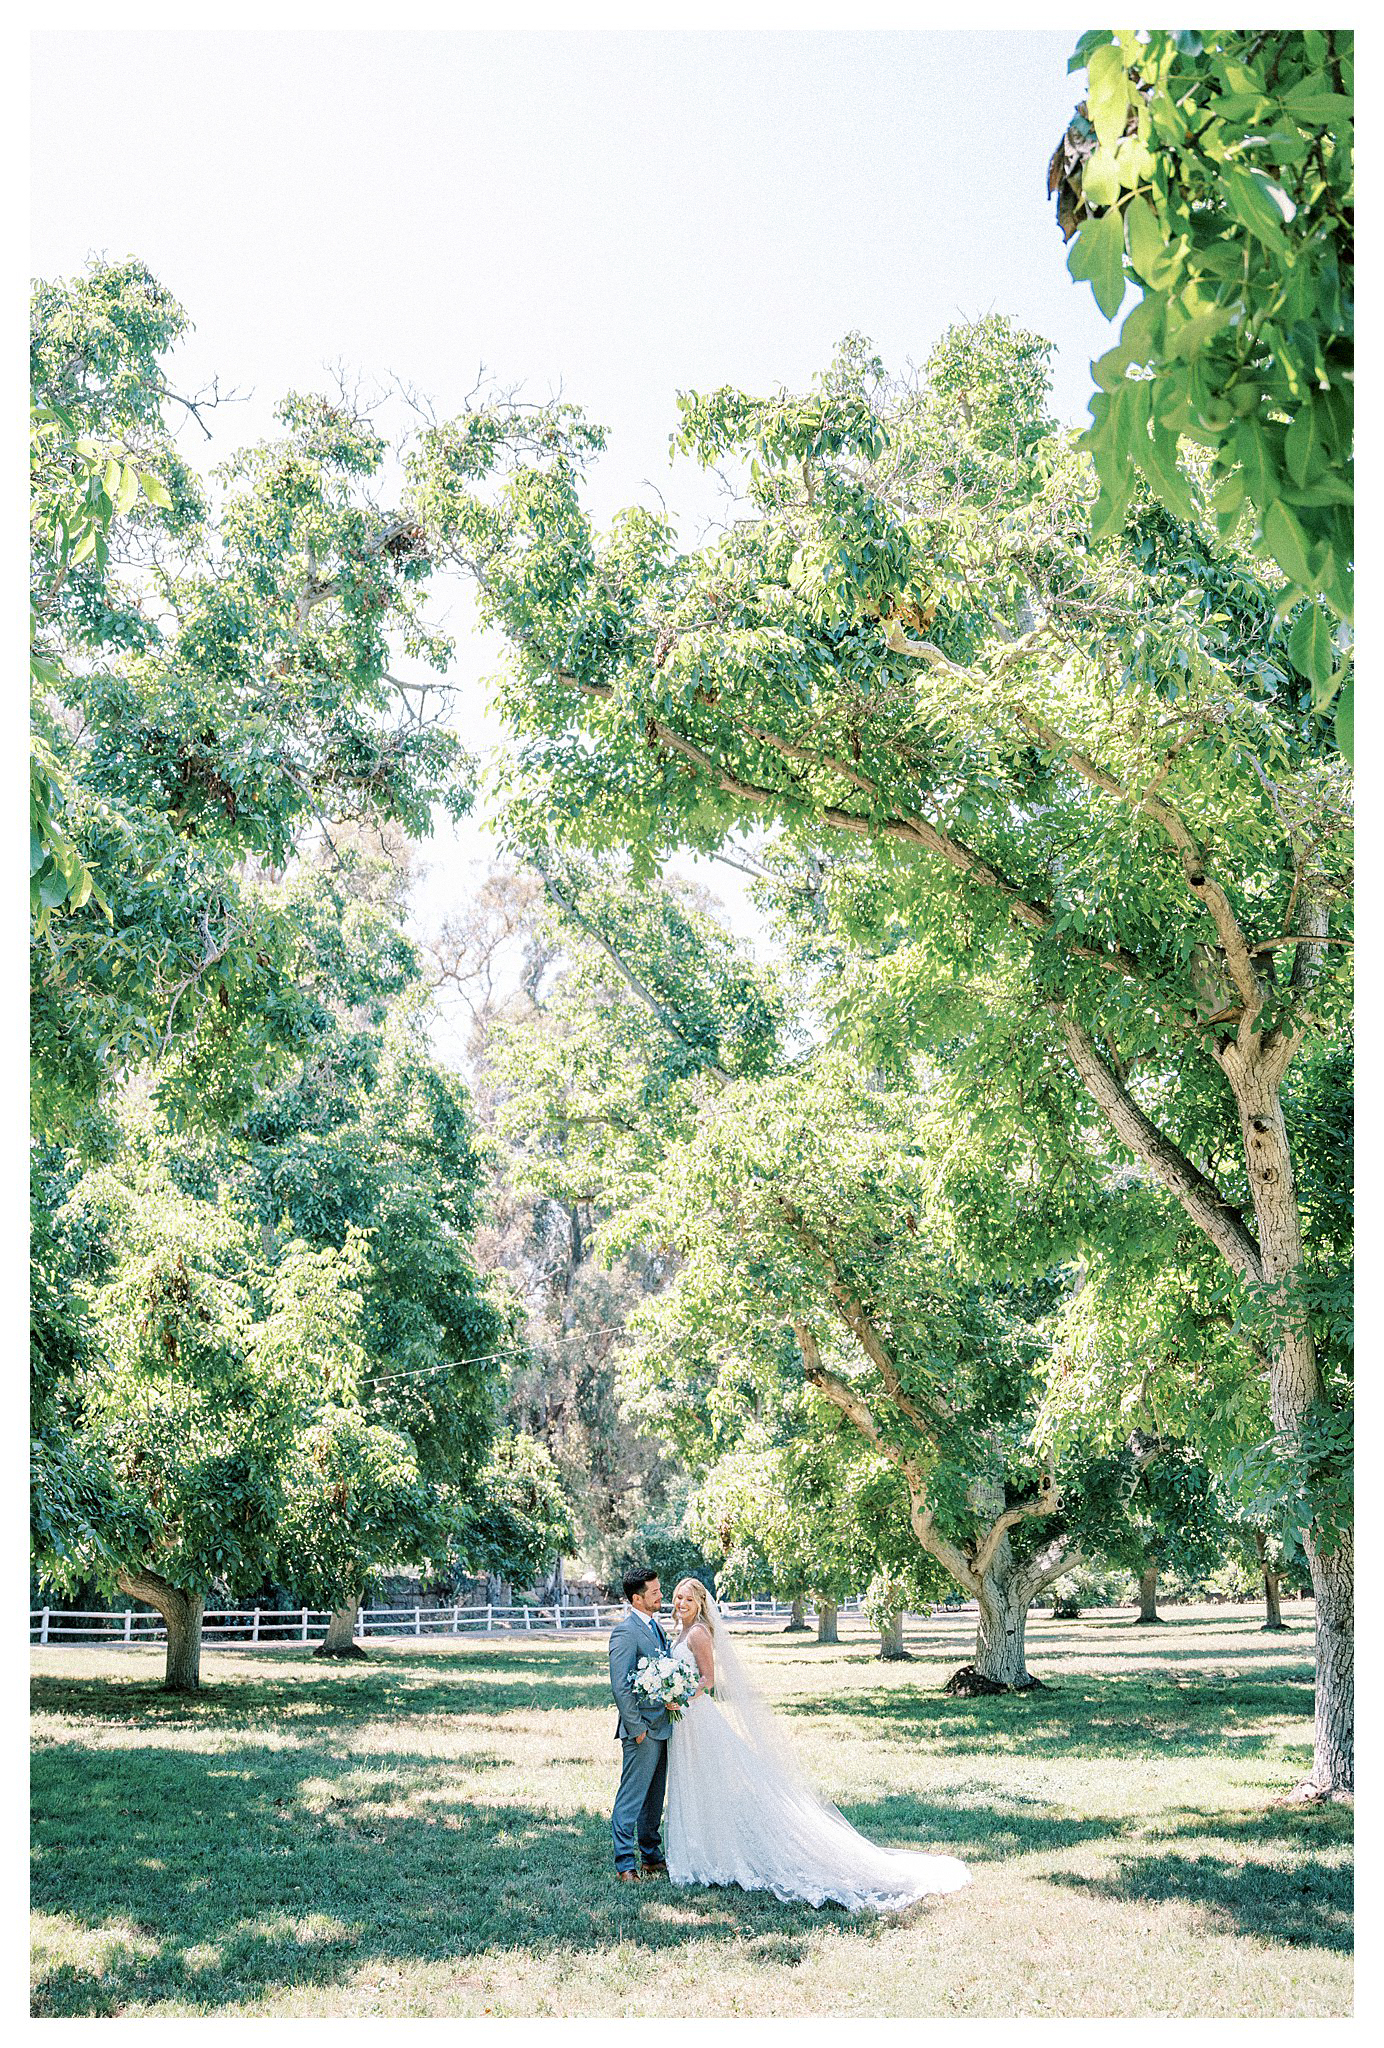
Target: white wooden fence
253 1625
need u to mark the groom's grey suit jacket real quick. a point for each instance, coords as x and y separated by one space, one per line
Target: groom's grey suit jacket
631 1638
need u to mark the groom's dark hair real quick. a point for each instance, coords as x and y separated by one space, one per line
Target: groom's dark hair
635 1581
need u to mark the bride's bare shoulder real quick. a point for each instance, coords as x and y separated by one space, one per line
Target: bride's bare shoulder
701 1643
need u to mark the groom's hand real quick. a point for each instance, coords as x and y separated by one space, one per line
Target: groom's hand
639 1738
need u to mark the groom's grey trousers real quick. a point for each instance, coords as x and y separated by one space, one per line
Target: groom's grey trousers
638 1813
639 1802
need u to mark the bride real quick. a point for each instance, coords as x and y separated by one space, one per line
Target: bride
740 1810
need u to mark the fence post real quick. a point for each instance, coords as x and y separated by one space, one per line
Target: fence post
418 1621
456 1618
254 1627
305 1624
528 1620
43 1625
490 1617
128 1619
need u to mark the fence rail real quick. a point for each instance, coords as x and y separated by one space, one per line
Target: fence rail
134 1625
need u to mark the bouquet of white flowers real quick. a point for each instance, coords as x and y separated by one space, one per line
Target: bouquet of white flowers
667 1682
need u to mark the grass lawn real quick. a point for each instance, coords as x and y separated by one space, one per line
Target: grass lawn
427 1834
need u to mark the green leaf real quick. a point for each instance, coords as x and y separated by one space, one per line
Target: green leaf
1097 255
129 489
1193 334
1313 100
154 491
1345 722
1310 646
1250 198
1287 543
1108 96
1156 455
1100 181
85 545
1146 241
1133 161
1107 514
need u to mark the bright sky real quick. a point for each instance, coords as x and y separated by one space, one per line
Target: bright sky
616 215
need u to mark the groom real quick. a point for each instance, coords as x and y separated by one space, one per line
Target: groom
643 1732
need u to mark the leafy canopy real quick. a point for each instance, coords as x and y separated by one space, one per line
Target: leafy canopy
1215 171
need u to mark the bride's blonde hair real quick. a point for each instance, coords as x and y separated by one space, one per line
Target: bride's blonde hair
703 1599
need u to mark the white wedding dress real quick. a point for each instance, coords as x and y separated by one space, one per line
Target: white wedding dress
739 1811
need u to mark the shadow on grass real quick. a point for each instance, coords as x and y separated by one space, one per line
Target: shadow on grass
211 1880
215 1874
1080 1716
1299 1898
268 1686
978 1832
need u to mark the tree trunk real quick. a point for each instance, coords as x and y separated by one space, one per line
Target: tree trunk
891 1638
826 1622
182 1617
1148 1594
798 1618
1295 1388
1273 1613
1333 1763
1003 1604
1254 1064
340 1639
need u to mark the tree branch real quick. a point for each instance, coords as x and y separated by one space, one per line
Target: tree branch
859 1322
853 1407
1308 957
912 831
1050 1563
1203 886
211 957
567 903
1046 1504
1204 1203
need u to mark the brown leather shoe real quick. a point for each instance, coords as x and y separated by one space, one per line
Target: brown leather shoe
654 1870
627 1877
